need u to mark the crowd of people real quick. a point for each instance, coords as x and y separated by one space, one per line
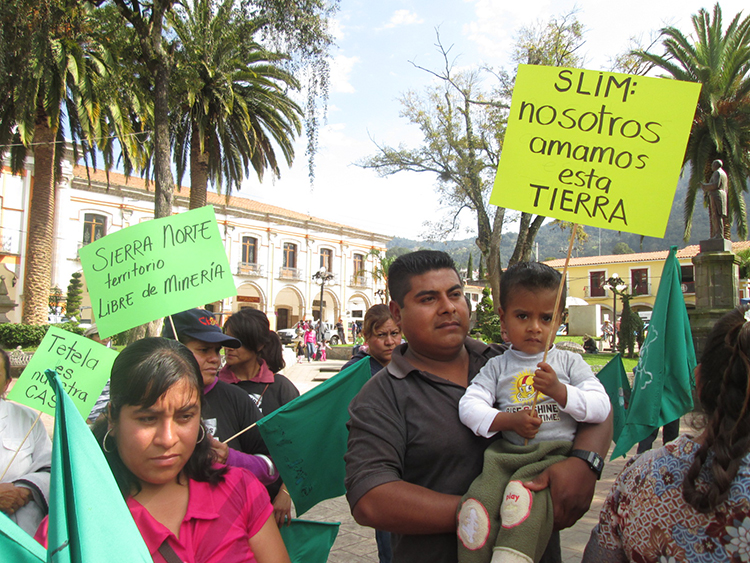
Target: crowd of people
446 459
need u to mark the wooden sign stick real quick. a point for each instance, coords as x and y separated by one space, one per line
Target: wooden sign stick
556 318
21 445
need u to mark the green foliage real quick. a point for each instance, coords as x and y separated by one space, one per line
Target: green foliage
55 300
470 268
75 295
744 256
719 60
622 248
480 273
488 321
631 328
30 336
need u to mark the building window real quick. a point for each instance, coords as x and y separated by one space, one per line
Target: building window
639 281
249 250
290 255
359 265
94 227
596 284
688 279
326 259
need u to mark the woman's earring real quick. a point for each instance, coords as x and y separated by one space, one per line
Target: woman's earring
204 435
104 441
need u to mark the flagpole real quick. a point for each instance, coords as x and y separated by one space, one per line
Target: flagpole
558 298
239 433
21 446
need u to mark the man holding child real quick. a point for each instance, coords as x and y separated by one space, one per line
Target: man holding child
410 458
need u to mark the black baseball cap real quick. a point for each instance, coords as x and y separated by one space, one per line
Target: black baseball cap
199 324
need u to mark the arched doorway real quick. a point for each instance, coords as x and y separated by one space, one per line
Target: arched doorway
249 295
289 308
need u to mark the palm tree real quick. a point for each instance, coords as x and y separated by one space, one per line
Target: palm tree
720 61
49 68
232 103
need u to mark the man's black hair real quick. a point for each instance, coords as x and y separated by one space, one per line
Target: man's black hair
529 275
415 264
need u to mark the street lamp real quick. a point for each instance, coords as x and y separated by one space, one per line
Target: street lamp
616 285
322 276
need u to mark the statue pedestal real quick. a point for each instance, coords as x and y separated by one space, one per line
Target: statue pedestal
716 287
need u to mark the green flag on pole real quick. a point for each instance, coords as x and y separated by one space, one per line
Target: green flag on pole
663 383
18 546
88 518
309 542
307 437
616 383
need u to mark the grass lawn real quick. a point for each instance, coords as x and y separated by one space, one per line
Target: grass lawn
601 358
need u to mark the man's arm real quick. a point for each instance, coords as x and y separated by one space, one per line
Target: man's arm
572 481
405 508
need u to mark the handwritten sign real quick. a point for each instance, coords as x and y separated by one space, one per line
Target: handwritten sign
156 268
82 364
596 148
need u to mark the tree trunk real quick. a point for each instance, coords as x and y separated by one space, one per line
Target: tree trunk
198 171
40 241
163 180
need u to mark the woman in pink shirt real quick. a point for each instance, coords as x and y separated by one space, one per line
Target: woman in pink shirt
187 507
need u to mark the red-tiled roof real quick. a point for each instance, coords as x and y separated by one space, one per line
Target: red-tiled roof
213 198
682 254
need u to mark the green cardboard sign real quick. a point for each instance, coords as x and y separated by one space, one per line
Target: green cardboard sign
595 148
155 269
83 365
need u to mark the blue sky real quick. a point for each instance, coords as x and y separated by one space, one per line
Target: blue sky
371 70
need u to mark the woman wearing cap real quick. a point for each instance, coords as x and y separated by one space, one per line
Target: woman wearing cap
228 410
253 367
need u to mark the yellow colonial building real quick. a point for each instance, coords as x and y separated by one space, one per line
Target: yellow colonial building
640 271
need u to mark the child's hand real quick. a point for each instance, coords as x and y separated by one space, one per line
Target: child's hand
525 423
545 381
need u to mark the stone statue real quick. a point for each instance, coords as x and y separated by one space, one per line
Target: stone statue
716 190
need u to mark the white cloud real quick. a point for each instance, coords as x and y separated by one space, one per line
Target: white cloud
403 17
341 68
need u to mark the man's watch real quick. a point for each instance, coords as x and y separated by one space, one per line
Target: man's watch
595 461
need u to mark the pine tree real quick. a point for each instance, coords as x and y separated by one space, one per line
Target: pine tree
470 268
75 296
480 274
488 321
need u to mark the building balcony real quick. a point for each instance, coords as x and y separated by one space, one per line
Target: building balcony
294 274
359 281
250 269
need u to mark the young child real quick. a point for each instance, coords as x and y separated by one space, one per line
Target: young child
499 519
300 351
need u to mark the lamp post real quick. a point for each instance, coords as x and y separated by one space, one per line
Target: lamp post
322 276
616 285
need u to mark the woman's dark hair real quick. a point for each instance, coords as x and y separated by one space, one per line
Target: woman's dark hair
142 373
6 362
251 327
375 316
724 394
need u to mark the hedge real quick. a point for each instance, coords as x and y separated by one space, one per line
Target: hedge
30 336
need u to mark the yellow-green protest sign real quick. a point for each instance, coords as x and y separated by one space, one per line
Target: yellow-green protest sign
83 365
596 148
155 269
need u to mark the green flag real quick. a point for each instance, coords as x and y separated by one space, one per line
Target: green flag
309 542
663 383
18 546
88 518
616 383
307 437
